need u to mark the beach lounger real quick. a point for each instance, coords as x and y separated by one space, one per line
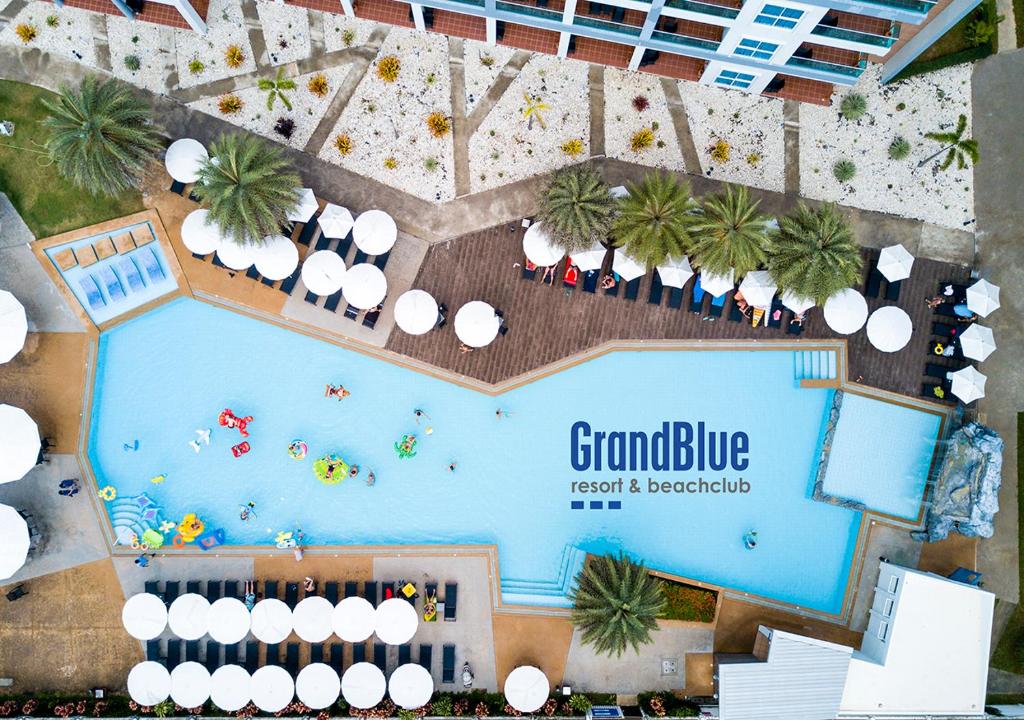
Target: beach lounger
590 279
614 289
675 298
111 284
571 276
252 656
131 273
370 592
191 651
288 284
343 246
351 312
404 654
370 318
697 303
316 653
273 654
192 195
793 328
252 273
331 592
937 371
529 270
197 256
448 664
213 590
381 261
288 228
656 291
322 243
170 591
192 586
153 587
735 314
311 298
291 595
151 264
959 291
212 655
892 291
231 589
928 391
270 589
231 653
943 330
633 288
380 656
451 596
351 588
718 304
308 231
332 302
359 652
267 281
291 659
153 652
178 188
218 263
775 314
874 283
426 656
360 257
430 593
946 310
337 660
387 590
173 653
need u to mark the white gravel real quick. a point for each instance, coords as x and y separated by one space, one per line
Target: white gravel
505 150
932 102
226 27
479 76
622 120
338 28
285 31
751 124
72 38
147 42
388 120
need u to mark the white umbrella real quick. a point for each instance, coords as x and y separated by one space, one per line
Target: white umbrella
476 324
317 686
276 258
19 443
229 620
375 232
144 616
796 303
231 687
312 619
14 541
758 288
149 683
189 617
627 268
364 286
184 158
538 247
323 272
199 235
968 384
395 622
353 619
846 311
716 285
304 207
977 342
416 312
13 326
527 688
410 686
235 255
271 620
895 262
983 297
674 272
590 259
335 221
272 688
363 685
889 328
190 684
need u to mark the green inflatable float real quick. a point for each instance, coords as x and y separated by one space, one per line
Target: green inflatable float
406 447
330 469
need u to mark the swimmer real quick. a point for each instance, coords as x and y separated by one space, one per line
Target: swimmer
417 413
353 471
247 511
309 585
336 391
371 478
132 447
750 540
499 413
451 466
204 436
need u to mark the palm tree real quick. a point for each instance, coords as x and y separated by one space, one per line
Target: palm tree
576 208
732 234
814 255
533 110
616 604
656 219
956 146
248 186
100 138
275 89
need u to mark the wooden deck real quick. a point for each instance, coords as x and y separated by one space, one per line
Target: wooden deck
546 325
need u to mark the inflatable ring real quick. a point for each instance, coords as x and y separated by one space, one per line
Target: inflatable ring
108 492
143 546
136 545
178 541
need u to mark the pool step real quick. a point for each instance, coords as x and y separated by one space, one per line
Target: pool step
548 593
815 365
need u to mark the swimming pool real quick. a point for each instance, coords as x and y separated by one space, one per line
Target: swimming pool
163 375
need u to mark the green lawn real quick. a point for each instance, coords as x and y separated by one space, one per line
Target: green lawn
952 48
1009 654
48 204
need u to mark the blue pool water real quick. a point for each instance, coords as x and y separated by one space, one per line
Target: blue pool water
171 371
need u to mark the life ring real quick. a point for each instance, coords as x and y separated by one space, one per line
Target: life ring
178 541
108 492
143 546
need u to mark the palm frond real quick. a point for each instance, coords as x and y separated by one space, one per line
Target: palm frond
732 234
576 208
656 219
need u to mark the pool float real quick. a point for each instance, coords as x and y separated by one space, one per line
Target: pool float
157 479
406 447
285 540
240 449
166 526
229 420
330 469
298 449
211 539
108 493
190 528
152 539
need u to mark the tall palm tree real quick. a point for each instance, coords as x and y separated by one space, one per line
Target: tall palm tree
733 234
656 219
814 254
248 186
616 604
955 145
100 138
576 208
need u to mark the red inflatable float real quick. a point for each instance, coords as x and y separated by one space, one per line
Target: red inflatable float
240 449
229 420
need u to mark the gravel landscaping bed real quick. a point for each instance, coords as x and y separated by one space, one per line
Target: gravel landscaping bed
635 103
342 32
141 42
483 63
285 30
65 32
226 28
907 109
505 149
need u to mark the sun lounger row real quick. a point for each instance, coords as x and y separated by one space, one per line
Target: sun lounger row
116 287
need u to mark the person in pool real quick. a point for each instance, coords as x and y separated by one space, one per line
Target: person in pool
371 478
247 511
336 391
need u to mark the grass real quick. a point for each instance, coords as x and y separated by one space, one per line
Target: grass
1018 17
1009 654
687 602
953 48
48 204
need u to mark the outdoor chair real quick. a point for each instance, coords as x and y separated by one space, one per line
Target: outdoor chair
360 257
170 592
173 653
351 588
192 586
380 656
152 587
874 283
793 328
337 657
675 298
370 592
448 664
322 243
937 371
333 301
892 291
633 288
231 589
359 652
614 289
735 314
212 655
311 298
426 656
656 291
252 273
946 310
287 228
309 230
270 589
370 318
928 391
252 656
273 654
316 653
231 653
291 595
404 654
191 651
717 305
291 659
213 590
451 595
288 284
153 652
529 271
590 279
192 195
697 303
178 188
331 592
343 245
381 261
943 330
351 312
217 262
268 282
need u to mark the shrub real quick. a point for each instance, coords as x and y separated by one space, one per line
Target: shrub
667 705
579 703
196 66
343 144
52 21
233 56
853 106
573 147
26 32
442 706
431 165
721 151
487 60
901 106
438 124
284 127
641 103
348 37
754 159
641 140
132 62
229 104
318 85
844 170
982 27
899 148
431 78
388 67
390 162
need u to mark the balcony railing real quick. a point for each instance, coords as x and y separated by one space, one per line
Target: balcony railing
705 8
830 67
685 40
606 25
839 33
530 10
916 6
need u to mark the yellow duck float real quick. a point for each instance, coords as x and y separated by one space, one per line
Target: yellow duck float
190 528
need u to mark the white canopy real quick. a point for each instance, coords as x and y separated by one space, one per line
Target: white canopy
977 342
889 328
144 616
305 206
236 256
271 620
590 259
14 541
335 221
312 619
968 384
272 688
796 303
229 620
318 686
476 324
416 312
983 297
231 687
149 683
538 247
894 262
353 619
758 288
716 285
198 235
323 272
846 311
184 158
189 617
363 685
19 443
364 286
396 620
13 326
410 686
627 267
675 272
276 258
190 684
375 232
527 688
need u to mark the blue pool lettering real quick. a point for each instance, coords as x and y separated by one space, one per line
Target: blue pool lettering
619 451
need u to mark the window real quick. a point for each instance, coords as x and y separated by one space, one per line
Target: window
730 78
778 16
883 630
756 49
894 583
889 605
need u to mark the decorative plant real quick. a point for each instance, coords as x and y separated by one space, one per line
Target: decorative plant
229 104
318 85
196 66
388 68
641 103
26 32
132 62
431 78
390 162
844 170
573 147
438 124
164 709
720 151
284 127
576 208
52 21
534 108
956 146
899 148
442 706
343 144
853 106
275 89
641 139
431 165
579 703
348 36
657 219
486 60
754 159
233 56
731 234
982 27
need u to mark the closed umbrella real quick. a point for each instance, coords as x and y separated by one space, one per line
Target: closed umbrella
317 686
14 541
353 619
305 206
271 620
395 622
846 311
538 247
229 620
983 297
272 688
144 616
796 303
184 158
276 258
416 312
13 326
149 683
335 221
889 328
189 617
363 685
968 384
364 286
19 443
236 256
410 686
231 687
323 272
190 684
312 619
716 285
758 288
627 268
590 259
675 272
375 232
198 234
894 262
476 324
527 688
977 342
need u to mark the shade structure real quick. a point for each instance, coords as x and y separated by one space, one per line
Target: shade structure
144 616
335 221
19 443
983 297
318 686
538 247
14 542
184 158
374 232
675 272
236 256
395 621
590 259
229 620
758 288
894 262
189 617
410 686
305 206
276 258
271 620
889 328
527 688
717 285
416 312
272 688
190 684
311 619
198 235
13 326
476 324
977 342
363 685
149 683
968 384
627 267
846 311
364 286
231 687
323 272
353 619
796 303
